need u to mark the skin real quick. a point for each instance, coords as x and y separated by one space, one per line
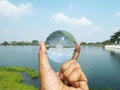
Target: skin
71 76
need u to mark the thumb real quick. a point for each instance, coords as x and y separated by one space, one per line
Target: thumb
43 58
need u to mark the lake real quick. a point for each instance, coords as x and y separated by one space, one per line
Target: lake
101 66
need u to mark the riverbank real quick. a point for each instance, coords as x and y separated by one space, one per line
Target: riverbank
11 78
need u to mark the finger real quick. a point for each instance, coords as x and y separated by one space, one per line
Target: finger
83 85
83 77
76 52
70 69
66 64
75 76
43 59
76 84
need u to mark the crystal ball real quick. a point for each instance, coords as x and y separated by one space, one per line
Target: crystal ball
60 46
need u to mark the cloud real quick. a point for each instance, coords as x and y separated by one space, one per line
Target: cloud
62 18
117 14
9 9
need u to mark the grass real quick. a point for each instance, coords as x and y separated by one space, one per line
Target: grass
7 85
29 71
11 78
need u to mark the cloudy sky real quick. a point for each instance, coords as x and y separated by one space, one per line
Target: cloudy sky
86 20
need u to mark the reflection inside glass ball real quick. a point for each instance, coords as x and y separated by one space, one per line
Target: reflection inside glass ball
60 46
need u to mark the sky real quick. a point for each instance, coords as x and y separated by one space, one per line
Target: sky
86 20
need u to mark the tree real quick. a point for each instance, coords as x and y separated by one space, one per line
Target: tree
83 43
14 43
35 42
116 37
106 42
5 43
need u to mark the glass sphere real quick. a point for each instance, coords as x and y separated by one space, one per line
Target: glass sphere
60 46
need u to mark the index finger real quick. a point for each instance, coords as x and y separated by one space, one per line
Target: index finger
76 51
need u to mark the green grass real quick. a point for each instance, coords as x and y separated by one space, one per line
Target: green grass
7 85
29 71
11 78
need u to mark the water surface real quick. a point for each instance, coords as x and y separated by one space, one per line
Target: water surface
101 66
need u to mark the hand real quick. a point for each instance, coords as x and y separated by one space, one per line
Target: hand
71 76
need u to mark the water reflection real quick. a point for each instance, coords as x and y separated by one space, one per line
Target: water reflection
29 80
115 60
114 52
116 55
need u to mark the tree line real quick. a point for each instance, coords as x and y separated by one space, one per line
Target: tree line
114 39
14 43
